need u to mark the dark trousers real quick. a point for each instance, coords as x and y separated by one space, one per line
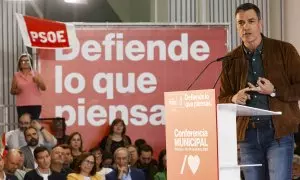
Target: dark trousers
34 111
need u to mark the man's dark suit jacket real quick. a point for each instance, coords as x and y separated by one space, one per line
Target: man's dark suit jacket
10 177
33 175
136 174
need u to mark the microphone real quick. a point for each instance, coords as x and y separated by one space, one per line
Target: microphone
223 58
231 58
201 72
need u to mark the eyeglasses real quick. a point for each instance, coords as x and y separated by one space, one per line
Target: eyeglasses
24 61
89 162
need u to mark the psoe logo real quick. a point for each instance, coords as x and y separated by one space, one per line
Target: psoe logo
193 163
176 101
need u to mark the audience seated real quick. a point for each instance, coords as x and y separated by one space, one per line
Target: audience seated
57 161
123 170
16 138
139 142
21 163
43 160
133 155
102 171
32 140
76 143
162 166
4 175
11 164
117 137
67 155
85 167
146 161
107 159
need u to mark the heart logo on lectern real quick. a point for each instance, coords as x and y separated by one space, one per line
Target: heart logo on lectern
194 162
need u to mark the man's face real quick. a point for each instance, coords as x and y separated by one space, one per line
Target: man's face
249 27
12 162
133 154
68 158
122 158
43 160
57 155
145 157
31 137
24 122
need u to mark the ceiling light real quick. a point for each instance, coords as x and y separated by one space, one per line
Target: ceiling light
76 1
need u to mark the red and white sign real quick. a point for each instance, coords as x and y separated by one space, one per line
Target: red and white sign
42 33
123 71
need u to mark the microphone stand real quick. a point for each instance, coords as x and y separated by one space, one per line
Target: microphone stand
202 72
217 60
221 74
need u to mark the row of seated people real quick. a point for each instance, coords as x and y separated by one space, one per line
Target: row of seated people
114 158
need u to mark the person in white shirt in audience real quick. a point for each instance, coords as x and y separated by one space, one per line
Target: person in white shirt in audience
16 139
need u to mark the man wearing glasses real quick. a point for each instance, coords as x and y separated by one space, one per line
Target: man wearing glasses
16 138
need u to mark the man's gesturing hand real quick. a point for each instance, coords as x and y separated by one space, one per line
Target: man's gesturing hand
241 97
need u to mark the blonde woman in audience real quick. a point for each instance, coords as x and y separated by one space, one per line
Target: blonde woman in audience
27 85
85 168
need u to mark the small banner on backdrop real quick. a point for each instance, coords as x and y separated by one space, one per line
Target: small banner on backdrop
42 33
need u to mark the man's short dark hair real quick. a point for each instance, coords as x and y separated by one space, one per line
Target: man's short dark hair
38 150
139 142
64 146
145 148
30 127
246 7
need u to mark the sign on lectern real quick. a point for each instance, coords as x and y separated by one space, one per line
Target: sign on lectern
191 135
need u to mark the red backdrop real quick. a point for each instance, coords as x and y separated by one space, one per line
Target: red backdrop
122 72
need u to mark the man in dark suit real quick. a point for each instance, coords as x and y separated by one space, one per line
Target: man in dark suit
43 171
123 171
3 175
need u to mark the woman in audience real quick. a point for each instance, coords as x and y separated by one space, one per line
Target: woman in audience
75 141
102 171
162 166
85 168
116 138
27 86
